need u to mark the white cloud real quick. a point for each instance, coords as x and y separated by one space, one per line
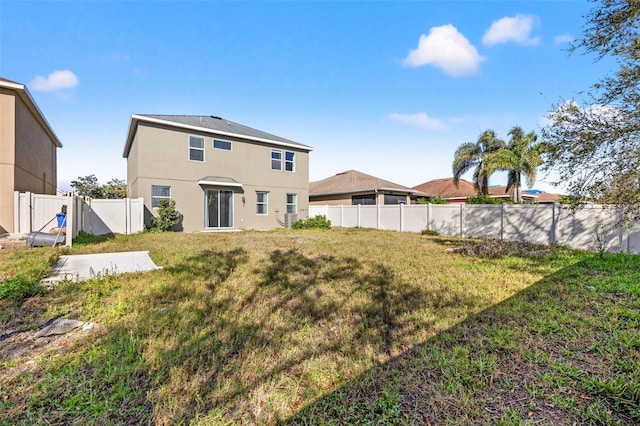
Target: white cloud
564 38
447 49
56 80
420 120
511 28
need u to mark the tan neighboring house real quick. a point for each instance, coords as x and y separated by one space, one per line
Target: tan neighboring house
353 187
447 189
457 194
28 147
222 175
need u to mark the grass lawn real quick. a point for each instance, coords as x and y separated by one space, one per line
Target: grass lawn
346 326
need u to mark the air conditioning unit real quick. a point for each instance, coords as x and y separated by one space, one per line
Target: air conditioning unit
289 218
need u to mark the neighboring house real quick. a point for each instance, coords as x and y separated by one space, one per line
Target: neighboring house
447 189
222 175
457 194
28 147
353 187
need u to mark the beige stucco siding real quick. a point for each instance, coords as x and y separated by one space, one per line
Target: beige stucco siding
35 164
27 155
160 156
7 159
132 171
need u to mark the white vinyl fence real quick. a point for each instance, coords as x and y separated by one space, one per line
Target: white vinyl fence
590 227
35 212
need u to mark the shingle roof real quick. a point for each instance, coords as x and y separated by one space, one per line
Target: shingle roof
211 124
353 181
446 188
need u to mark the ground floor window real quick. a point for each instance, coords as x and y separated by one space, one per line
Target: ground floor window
292 205
262 199
363 200
395 199
159 193
219 208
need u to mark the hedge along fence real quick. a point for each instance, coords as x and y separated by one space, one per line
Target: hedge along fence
589 227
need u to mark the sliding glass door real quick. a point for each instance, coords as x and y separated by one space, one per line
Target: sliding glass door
219 208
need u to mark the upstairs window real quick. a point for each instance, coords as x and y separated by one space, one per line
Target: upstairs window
220 144
276 159
289 161
196 148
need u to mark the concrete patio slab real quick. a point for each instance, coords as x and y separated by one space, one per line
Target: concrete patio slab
82 267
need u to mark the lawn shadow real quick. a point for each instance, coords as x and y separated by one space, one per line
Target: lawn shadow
353 308
530 358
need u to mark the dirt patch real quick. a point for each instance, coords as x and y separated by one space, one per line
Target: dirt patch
19 346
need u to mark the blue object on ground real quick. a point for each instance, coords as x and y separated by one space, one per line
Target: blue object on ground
62 219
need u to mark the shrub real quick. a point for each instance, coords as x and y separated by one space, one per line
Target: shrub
84 238
168 217
483 199
317 222
20 287
430 232
494 248
431 200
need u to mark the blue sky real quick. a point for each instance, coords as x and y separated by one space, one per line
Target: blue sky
387 88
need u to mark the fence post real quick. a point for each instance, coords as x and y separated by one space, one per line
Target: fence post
377 215
71 210
429 216
358 222
502 213
554 223
462 220
16 212
127 216
29 197
341 215
401 216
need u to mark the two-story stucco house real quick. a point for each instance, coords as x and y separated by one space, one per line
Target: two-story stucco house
28 147
222 175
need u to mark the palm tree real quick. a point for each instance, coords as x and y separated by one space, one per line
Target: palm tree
522 156
473 155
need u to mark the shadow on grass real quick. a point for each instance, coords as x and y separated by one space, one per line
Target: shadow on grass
241 342
547 355
217 338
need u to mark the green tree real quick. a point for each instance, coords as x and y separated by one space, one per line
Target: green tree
595 148
88 186
521 157
472 155
115 188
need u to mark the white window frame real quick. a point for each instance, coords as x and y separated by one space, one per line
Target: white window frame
294 203
213 144
198 149
159 197
264 202
271 159
292 161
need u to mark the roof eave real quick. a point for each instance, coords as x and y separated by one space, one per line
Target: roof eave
25 95
353 191
137 118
